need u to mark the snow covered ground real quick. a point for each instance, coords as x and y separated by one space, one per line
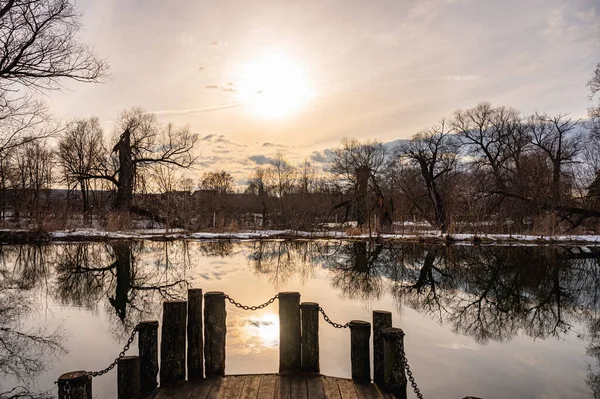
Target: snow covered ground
427 236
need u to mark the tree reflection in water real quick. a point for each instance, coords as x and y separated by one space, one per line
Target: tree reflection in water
23 348
487 293
83 275
133 291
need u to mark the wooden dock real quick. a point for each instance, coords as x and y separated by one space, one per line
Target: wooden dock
274 386
192 352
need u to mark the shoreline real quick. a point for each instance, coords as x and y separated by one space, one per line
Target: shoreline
75 235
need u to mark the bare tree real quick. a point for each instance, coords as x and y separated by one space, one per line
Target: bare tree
555 137
257 185
360 166
38 48
144 143
282 179
433 152
80 151
219 181
594 111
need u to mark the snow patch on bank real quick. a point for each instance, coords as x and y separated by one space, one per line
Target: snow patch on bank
160 234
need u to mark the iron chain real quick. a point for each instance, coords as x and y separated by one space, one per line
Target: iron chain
328 320
67 389
413 384
252 308
121 355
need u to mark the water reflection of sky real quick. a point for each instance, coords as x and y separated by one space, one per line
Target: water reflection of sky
446 364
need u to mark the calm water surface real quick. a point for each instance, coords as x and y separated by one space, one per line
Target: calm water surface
493 322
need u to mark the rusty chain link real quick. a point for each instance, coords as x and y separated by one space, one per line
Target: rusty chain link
328 320
67 386
413 384
120 356
252 308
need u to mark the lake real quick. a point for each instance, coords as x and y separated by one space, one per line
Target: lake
488 321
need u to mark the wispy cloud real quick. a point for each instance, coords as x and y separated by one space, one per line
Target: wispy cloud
193 110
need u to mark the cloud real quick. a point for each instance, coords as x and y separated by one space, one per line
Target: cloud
322 157
193 110
460 78
260 159
228 89
208 136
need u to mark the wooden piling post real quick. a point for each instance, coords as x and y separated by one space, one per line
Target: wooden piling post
381 321
394 377
360 333
215 330
148 351
172 345
128 377
289 332
310 336
75 385
195 353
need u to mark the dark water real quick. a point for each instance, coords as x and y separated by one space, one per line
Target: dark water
493 322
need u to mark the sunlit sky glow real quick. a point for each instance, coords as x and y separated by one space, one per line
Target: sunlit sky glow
255 78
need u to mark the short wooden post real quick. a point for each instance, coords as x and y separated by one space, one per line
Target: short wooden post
310 336
215 330
394 377
195 354
381 321
128 377
148 351
75 385
289 332
360 333
172 345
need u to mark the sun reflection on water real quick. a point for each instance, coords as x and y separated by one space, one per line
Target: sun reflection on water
264 327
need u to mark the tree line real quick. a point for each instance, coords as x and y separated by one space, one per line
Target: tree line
487 168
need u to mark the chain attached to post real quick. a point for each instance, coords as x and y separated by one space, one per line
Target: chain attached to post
252 308
328 320
120 356
413 384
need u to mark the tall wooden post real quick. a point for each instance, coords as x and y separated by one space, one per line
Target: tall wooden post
360 333
195 354
148 351
128 377
395 379
310 336
381 321
215 330
75 385
289 331
172 345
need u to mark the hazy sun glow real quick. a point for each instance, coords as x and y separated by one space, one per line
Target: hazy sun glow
274 86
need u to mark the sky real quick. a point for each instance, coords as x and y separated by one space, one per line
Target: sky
253 78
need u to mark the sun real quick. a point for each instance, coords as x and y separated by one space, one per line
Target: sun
274 87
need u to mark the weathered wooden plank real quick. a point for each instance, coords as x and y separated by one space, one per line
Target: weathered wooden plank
347 390
201 389
314 385
251 385
285 386
330 387
175 391
267 386
234 386
298 387
219 388
369 391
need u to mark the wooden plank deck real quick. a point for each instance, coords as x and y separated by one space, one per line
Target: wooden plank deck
273 386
